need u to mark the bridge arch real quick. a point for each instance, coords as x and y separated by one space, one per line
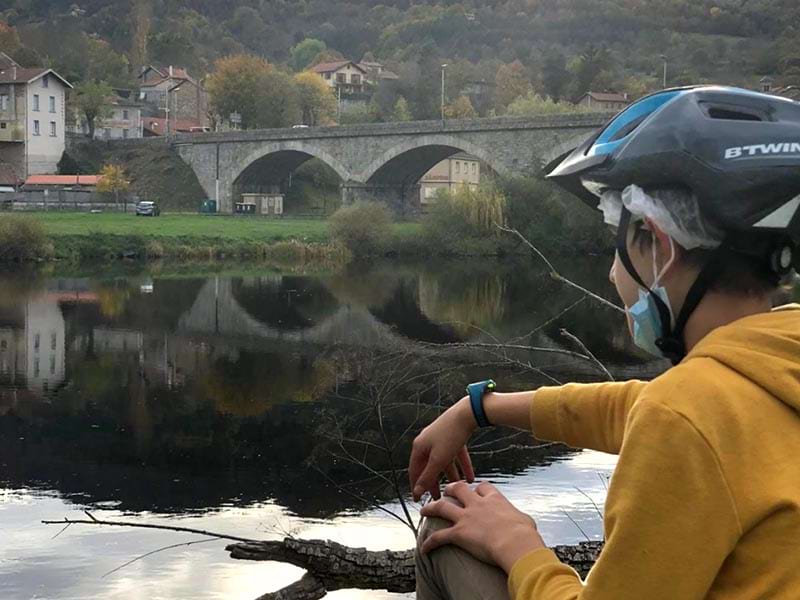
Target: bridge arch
286 156
405 163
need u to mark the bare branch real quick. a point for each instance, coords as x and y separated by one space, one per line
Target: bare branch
170 547
576 340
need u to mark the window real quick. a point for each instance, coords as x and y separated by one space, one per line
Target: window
474 168
46 81
53 364
36 102
53 340
458 167
36 340
355 78
4 345
124 134
36 367
3 125
341 78
3 101
52 129
52 104
36 130
327 75
125 115
106 133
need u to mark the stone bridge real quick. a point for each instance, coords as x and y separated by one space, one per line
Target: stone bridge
383 161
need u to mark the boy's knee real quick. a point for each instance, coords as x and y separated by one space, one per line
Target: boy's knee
432 524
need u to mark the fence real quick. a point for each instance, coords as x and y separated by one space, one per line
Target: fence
63 200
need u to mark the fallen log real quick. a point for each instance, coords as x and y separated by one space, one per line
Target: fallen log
331 566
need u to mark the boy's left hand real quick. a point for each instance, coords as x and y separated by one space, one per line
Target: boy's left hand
486 525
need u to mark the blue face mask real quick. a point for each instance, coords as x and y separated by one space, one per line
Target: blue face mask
644 314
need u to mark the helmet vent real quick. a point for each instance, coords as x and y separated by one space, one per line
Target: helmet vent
733 114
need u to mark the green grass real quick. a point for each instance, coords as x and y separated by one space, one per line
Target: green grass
185 226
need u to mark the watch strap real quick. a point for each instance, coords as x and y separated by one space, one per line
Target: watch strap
476 392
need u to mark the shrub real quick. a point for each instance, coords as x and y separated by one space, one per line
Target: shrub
466 221
363 228
21 239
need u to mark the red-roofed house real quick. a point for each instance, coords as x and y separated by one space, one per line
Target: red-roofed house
154 126
32 117
343 75
604 101
172 90
39 182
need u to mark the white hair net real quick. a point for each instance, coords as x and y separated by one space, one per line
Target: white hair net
675 211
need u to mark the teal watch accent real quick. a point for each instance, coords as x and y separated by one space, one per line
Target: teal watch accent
476 391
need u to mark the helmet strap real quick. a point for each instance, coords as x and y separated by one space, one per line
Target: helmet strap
671 342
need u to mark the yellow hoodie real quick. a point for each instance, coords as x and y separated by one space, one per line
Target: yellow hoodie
705 498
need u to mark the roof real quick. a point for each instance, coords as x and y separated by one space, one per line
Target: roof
8 176
606 96
62 180
386 74
158 125
28 75
329 67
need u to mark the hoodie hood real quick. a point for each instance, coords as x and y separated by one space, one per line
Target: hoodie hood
764 348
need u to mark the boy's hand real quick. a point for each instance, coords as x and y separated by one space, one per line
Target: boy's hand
486 525
441 448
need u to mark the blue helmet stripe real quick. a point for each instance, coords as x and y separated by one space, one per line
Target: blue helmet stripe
643 107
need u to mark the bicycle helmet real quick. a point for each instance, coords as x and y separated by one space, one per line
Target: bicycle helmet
736 151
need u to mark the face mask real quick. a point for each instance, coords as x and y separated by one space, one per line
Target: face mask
645 316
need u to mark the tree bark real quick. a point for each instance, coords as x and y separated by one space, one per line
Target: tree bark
330 566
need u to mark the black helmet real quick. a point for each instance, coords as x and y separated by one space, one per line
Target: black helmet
738 151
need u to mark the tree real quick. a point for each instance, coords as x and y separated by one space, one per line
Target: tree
460 108
9 39
315 98
91 102
587 67
555 77
141 23
104 64
401 111
250 86
510 82
305 52
532 104
113 181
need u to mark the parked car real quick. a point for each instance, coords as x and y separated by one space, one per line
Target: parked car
147 208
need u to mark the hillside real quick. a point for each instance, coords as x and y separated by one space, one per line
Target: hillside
561 47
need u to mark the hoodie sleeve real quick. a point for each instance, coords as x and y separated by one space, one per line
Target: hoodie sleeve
670 521
584 415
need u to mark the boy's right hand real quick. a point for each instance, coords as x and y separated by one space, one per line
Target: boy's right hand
441 448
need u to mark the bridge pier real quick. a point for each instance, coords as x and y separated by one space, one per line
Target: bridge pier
403 200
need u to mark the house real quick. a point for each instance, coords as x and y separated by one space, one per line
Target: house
124 122
604 101
460 169
344 76
32 117
171 91
376 72
154 126
62 182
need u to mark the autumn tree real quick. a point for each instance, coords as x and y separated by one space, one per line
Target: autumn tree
511 82
252 87
460 108
401 111
315 99
91 101
141 23
113 181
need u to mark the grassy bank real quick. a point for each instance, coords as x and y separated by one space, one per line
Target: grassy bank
89 237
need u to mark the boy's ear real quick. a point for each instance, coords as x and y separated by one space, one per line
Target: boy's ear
662 242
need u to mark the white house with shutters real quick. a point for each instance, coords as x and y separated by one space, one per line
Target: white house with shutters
32 118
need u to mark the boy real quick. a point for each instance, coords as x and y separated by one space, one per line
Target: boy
703 185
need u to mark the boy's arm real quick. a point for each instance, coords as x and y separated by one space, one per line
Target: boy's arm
579 415
670 521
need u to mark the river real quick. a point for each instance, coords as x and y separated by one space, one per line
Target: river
236 398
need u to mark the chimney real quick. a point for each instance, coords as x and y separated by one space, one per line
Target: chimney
14 73
170 70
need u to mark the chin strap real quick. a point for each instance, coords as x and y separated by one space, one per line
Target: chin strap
671 342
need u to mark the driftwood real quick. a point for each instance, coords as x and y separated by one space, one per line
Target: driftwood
330 566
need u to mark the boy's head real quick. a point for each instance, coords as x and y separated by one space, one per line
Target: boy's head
715 208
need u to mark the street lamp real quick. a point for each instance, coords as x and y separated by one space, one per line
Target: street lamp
444 66
664 58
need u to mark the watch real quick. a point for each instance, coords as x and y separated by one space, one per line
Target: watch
476 391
